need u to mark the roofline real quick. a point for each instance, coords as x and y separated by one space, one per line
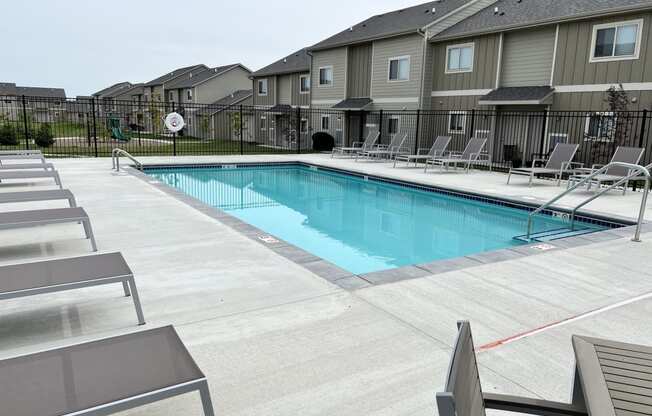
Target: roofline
270 74
447 15
544 22
232 67
154 84
365 40
226 107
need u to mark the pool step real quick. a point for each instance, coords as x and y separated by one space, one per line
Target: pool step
551 235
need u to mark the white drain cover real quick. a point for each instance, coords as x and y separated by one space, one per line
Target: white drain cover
544 247
267 239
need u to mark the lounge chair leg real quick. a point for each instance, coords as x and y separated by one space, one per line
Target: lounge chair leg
136 299
531 179
125 287
206 399
509 176
57 180
88 230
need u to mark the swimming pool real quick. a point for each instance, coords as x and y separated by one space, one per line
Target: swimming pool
358 224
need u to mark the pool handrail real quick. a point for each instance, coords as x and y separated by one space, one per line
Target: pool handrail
634 170
115 159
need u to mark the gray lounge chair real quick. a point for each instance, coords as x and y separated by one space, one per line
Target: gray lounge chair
21 156
24 219
67 274
368 144
438 149
472 154
102 377
37 196
31 174
559 162
463 396
394 148
622 154
27 166
21 152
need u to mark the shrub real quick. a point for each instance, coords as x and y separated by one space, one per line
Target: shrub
8 136
44 136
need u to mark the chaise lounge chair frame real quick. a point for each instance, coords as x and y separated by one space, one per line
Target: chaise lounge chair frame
473 154
438 149
624 154
559 162
356 147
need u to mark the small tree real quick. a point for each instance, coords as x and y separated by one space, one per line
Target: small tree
617 99
616 127
236 123
8 136
44 136
205 125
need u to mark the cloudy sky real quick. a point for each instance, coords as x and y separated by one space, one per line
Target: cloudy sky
84 46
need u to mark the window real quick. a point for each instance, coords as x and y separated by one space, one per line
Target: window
325 122
263 122
555 138
393 125
326 76
616 41
399 69
459 58
262 87
600 127
304 84
189 95
303 126
170 96
457 122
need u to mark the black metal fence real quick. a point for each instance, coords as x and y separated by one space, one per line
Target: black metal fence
92 128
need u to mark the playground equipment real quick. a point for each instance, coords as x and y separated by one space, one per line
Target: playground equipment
116 130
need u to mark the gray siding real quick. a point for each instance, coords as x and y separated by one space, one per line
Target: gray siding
329 95
284 89
572 66
383 51
270 98
455 103
595 101
298 99
220 86
358 78
527 57
428 73
485 64
470 9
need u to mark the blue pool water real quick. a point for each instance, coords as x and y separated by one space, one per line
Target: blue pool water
361 226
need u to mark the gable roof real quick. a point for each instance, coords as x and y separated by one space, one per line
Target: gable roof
108 91
514 14
41 92
173 74
298 61
398 22
225 102
7 88
192 78
133 90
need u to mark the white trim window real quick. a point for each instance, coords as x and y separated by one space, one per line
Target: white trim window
393 125
457 122
263 122
325 122
262 87
398 69
326 76
556 138
482 134
600 127
616 41
189 94
459 58
304 84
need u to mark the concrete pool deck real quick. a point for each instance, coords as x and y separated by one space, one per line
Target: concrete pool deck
276 339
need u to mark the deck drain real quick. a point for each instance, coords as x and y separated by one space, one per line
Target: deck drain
268 239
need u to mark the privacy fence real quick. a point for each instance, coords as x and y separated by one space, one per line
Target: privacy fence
92 128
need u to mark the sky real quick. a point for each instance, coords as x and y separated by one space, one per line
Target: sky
86 45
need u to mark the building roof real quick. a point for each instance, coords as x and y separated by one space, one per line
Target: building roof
41 92
7 88
517 96
395 23
353 104
514 14
173 74
192 78
135 89
223 103
298 61
110 91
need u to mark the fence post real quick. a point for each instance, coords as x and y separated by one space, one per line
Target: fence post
544 127
94 125
380 127
416 132
241 132
472 129
25 123
641 138
298 127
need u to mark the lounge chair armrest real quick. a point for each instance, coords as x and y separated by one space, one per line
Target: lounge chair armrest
531 406
357 144
571 165
453 154
538 160
422 151
597 166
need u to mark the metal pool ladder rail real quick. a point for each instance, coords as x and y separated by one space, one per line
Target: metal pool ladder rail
634 170
115 159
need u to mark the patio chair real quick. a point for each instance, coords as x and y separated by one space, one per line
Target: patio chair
24 219
27 166
470 156
437 150
50 276
102 377
631 155
559 162
31 174
395 147
463 396
21 156
37 196
368 144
